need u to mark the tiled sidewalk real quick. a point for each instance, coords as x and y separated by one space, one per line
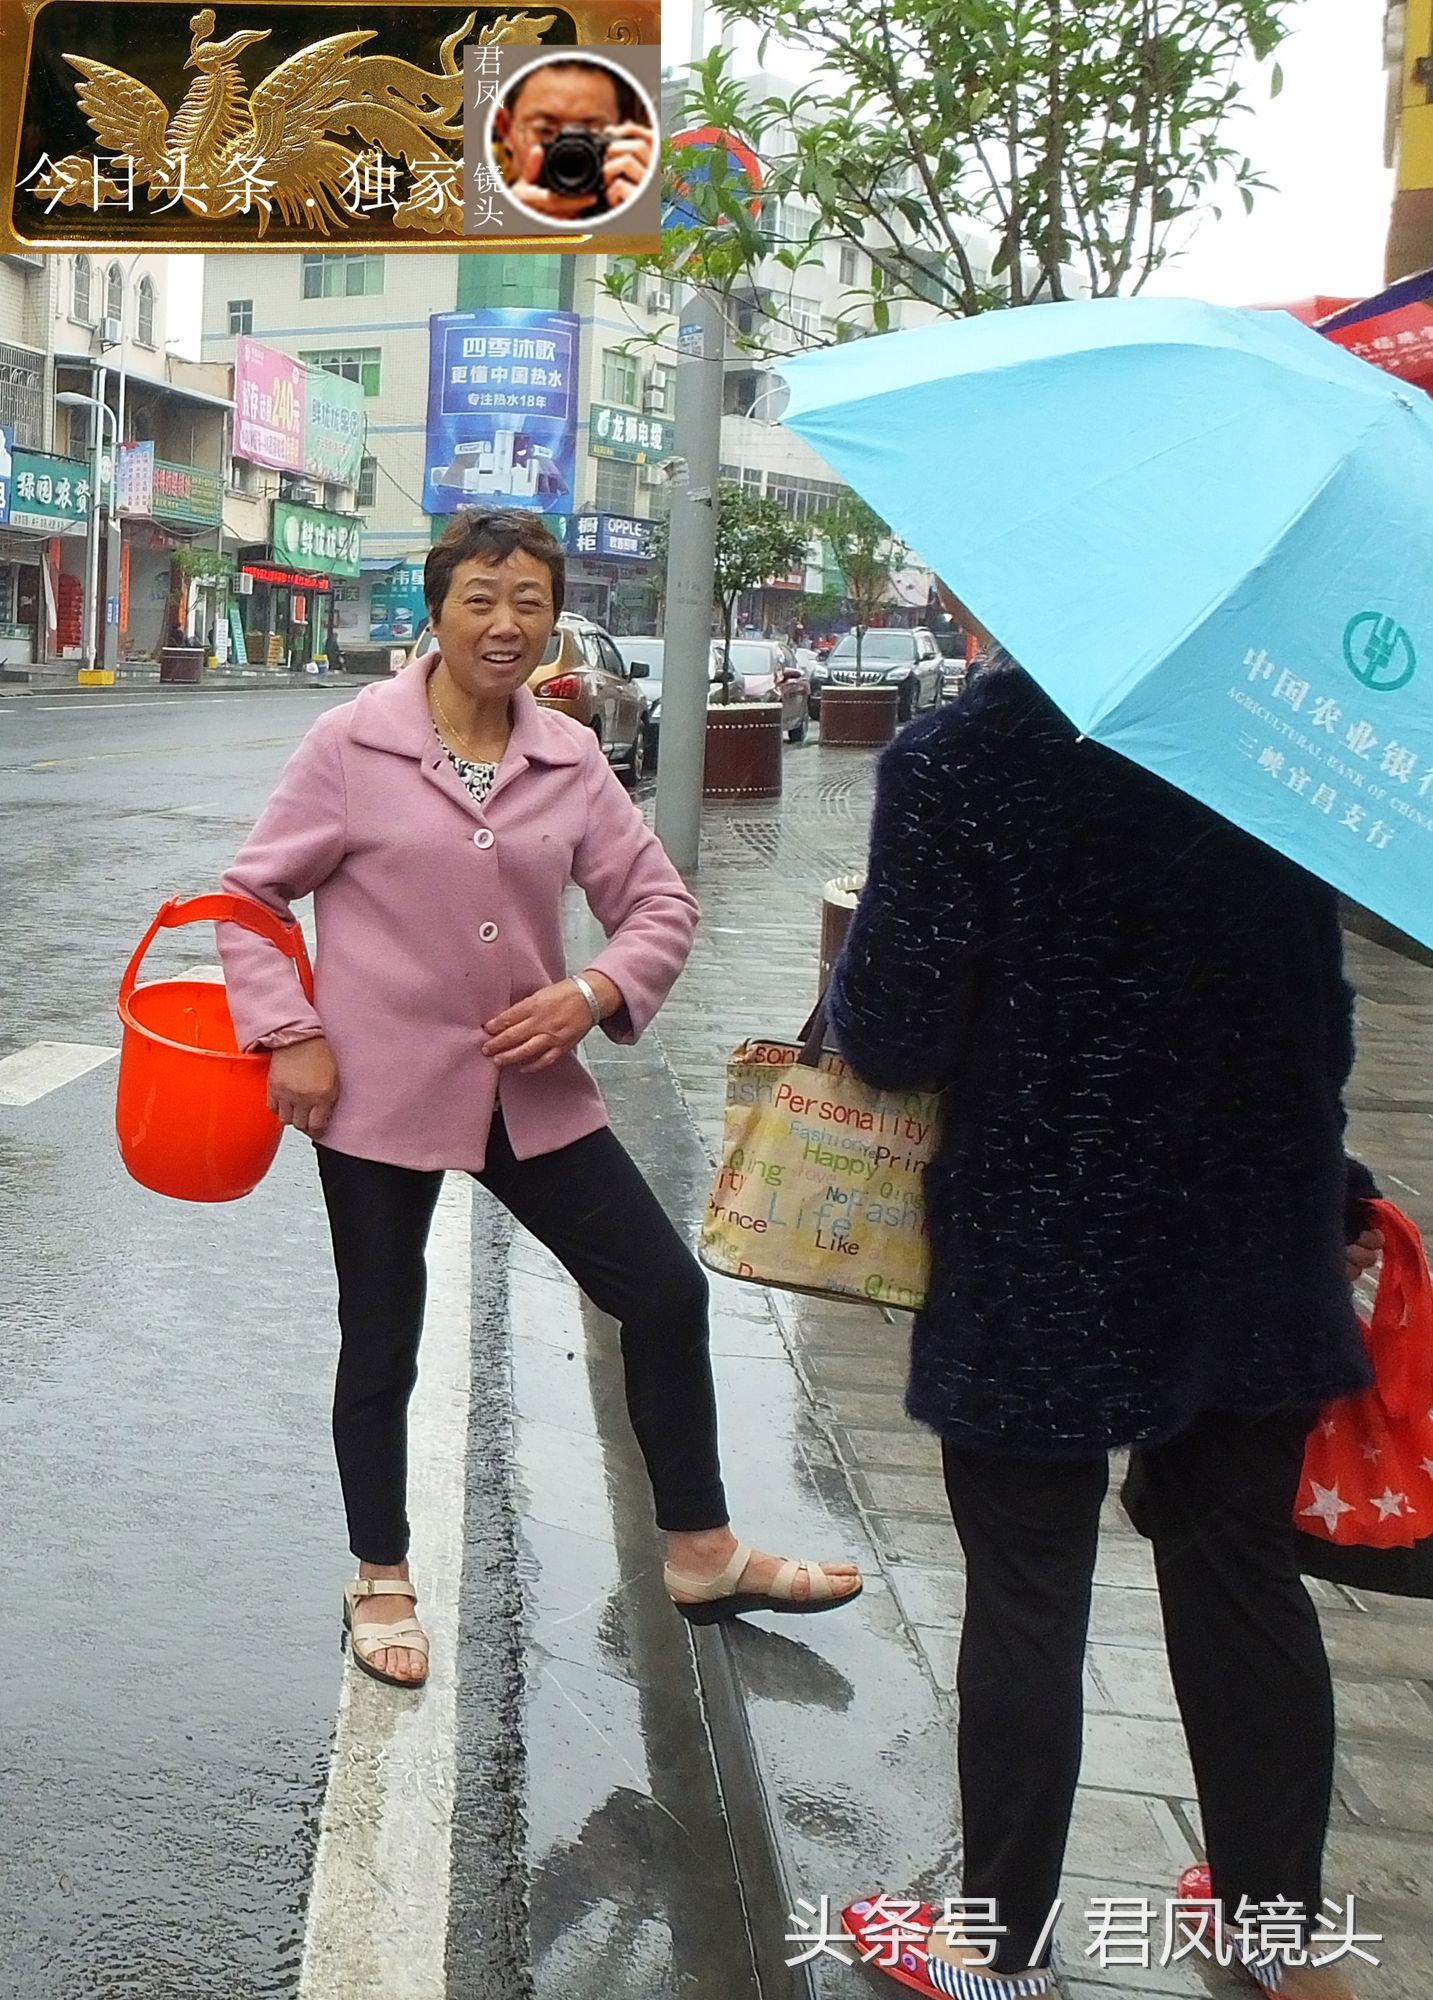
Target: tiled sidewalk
754 971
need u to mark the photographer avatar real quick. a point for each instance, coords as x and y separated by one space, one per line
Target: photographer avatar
573 140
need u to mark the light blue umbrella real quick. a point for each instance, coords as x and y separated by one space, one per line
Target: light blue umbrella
1208 534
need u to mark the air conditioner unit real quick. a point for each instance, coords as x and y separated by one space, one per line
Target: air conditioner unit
244 584
111 332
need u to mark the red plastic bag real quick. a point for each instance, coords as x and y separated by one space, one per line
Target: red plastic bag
1368 1467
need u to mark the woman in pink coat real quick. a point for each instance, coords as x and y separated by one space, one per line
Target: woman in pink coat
437 821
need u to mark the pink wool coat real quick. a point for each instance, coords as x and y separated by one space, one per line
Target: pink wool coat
434 914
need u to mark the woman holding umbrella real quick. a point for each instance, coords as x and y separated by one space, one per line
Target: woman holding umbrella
1143 1231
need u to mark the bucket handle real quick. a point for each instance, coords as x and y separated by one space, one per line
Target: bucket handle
224 909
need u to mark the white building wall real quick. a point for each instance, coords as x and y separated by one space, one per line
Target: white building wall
393 321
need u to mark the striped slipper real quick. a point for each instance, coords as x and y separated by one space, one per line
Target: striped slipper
1196 1886
909 1964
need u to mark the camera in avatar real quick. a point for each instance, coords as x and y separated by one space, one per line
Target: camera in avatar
572 164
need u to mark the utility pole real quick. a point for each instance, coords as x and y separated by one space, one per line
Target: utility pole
691 547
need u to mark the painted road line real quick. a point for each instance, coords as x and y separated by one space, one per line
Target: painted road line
66 707
378 1910
153 750
33 1073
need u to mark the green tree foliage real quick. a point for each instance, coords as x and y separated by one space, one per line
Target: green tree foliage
756 539
1073 134
865 552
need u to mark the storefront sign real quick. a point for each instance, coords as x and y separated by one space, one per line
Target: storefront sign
135 497
187 493
502 410
293 579
395 605
51 494
623 434
334 428
328 543
610 537
268 406
6 472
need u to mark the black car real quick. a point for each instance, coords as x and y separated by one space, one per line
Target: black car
904 657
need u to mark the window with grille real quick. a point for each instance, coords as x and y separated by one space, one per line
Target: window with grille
616 486
355 364
241 315
80 293
22 380
850 263
144 313
619 379
804 315
114 293
788 221
347 275
803 499
368 482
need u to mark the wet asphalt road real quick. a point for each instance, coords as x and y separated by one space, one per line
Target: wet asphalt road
174 1540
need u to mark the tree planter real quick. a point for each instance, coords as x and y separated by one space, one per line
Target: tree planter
182 664
859 718
743 754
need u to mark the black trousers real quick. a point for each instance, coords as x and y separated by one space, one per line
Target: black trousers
591 1207
1245 1651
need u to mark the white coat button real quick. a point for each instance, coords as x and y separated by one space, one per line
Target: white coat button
487 932
483 837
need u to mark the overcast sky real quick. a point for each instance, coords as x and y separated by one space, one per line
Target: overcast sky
1321 227
1320 142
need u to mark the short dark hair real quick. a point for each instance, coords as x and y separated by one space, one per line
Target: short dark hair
491 538
630 109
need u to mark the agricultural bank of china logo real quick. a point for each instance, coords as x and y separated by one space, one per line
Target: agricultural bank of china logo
1378 652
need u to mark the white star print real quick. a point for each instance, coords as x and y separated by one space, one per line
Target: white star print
1329 1427
1328 1505
1372 1452
1390 1504
1428 1467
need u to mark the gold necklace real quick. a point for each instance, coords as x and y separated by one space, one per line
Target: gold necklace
448 724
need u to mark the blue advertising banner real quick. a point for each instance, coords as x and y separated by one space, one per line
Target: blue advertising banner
610 537
395 605
502 410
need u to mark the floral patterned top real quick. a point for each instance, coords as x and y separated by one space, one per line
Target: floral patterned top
479 778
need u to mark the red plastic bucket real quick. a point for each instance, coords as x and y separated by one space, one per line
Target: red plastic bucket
192 1110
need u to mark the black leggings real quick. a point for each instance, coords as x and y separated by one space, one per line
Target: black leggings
592 1209
1245 1651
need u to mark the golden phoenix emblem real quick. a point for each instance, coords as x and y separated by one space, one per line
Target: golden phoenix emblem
328 138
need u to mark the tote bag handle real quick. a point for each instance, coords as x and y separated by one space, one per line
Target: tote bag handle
1400 1332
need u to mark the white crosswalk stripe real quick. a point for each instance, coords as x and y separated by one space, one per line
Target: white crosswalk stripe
378 1913
30 1074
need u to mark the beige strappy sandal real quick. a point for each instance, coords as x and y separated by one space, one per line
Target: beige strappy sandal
366 1640
720 1599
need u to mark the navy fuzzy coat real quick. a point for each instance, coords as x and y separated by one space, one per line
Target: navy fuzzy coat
1140 1203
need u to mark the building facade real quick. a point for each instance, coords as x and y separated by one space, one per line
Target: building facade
73 528
367 318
